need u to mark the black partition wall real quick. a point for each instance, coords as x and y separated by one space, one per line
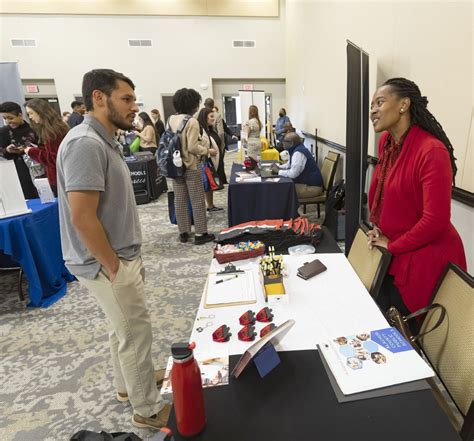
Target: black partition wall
357 126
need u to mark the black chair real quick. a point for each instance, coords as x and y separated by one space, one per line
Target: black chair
8 265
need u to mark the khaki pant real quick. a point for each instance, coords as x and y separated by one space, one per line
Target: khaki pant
306 191
123 303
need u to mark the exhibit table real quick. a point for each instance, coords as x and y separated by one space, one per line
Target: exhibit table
296 400
147 184
249 201
33 241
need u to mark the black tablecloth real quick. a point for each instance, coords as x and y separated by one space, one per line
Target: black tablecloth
260 200
295 402
147 184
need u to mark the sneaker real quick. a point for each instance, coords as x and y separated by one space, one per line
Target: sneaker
183 237
203 238
159 377
156 421
214 209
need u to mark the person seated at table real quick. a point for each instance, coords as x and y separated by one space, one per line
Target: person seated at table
14 136
210 138
252 128
51 130
147 134
282 120
410 197
301 167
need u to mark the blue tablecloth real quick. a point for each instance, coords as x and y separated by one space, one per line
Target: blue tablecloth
249 201
34 242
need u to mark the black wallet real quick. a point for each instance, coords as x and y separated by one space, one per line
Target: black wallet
311 269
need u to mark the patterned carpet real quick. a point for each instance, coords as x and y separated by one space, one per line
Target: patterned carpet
55 368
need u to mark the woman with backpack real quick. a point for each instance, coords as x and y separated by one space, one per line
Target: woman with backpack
51 129
210 139
190 188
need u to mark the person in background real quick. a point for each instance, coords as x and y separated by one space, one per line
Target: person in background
14 137
280 125
410 196
51 129
66 116
287 128
253 128
77 115
219 129
210 139
147 134
224 147
101 238
190 186
159 125
301 167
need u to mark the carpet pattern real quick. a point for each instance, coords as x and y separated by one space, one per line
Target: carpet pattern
55 367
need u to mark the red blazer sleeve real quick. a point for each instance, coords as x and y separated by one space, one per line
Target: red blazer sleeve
435 177
46 155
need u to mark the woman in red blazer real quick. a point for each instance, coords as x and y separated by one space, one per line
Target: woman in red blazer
410 196
51 129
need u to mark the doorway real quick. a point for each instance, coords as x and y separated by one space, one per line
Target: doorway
44 89
168 107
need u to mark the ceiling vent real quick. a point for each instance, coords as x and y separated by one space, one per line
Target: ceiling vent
20 42
140 43
244 43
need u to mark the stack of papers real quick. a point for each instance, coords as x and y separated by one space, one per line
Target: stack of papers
232 290
373 359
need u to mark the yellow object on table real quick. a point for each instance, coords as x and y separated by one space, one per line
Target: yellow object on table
270 155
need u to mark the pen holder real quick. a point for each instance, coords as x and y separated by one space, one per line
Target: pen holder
274 288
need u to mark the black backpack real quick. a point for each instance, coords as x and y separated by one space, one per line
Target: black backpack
170 142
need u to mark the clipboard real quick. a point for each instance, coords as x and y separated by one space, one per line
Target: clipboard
241 290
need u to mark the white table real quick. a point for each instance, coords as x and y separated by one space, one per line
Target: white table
333 303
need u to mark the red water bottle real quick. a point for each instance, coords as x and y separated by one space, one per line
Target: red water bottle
188 400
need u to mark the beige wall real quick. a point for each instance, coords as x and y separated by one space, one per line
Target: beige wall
242 8
428 42
186 52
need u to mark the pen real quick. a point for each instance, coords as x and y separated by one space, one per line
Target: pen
225 280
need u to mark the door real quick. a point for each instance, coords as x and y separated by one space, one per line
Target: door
168 107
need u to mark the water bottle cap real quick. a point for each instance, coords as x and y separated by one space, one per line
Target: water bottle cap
180 351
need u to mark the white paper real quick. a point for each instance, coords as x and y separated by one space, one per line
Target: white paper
12 201
360 362
44 190
214 372
238 289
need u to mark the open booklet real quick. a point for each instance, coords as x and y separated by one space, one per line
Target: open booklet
373 360
214 372
274 337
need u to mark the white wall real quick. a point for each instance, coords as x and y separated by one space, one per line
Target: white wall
428 42
186 52
462 217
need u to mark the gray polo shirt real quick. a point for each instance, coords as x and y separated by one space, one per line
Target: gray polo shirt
89 158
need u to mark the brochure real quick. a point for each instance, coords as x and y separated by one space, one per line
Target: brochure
214 372
372 360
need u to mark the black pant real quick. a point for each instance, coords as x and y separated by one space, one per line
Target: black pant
390 296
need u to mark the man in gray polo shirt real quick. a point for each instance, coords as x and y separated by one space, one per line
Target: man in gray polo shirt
101 237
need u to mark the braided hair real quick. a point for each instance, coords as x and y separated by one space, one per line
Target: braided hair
420 115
